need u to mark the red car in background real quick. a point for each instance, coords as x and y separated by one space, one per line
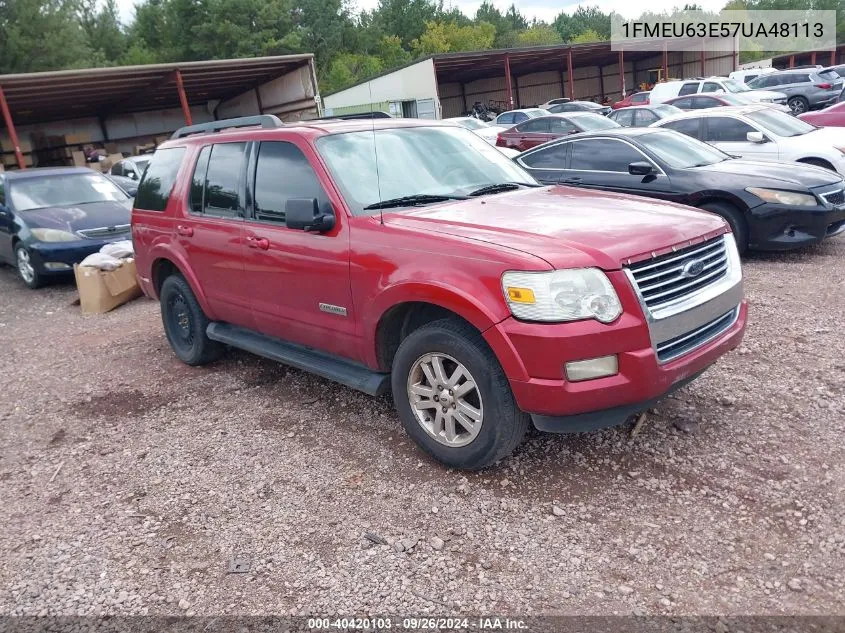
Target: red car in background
638 98
831 116
537 131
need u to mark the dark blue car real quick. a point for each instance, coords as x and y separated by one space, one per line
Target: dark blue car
52 218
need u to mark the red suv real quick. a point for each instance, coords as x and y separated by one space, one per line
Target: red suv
414 257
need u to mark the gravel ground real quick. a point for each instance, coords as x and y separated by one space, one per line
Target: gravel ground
133 484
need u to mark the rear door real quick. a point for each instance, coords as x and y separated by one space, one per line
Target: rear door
298 281
644 118
624 117
546 164
211 231
532 133
602 163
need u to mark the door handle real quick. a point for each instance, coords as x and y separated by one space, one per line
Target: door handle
185 231
258 242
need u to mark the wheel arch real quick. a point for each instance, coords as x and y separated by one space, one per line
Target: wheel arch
165 265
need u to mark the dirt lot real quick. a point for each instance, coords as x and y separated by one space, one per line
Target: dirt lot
129 481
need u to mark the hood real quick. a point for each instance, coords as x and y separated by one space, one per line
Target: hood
759 95
780 174
79 217
566 226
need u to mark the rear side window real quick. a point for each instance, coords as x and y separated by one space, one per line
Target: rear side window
688 89
283 172
534 125
154 190
550 158
645 118
505 118
624 117
690 127
198 181
710 86
223 180
799 78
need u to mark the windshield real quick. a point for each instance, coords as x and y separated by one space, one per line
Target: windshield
413 161
590 122
780 123
535 112
63 190
470 124
666 109
681 151
732 85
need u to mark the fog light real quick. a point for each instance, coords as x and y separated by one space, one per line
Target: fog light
56 266
592 368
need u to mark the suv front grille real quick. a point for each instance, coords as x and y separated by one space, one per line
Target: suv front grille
835 197
680 345
678 275
105 232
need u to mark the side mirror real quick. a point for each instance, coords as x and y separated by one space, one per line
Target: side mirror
305 214
132 192
132 175
755 137
640 168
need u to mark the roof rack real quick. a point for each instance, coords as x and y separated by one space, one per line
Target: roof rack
375 114
266 121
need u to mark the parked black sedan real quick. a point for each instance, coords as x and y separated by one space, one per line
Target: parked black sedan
52 218
769 205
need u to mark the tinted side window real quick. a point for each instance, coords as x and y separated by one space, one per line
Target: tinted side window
645 118
505 118
710 86
799 78
519 117
534 125
283 172
750 78
690 127
724 129
688 89
155 187
624 117
198 181
683 104
603 155
561 125
703 103
550 158
223 180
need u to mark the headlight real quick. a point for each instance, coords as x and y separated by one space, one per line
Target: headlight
53 235
766 100
791 198
561 295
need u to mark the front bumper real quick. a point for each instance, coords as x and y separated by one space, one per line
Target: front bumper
777 227
68 253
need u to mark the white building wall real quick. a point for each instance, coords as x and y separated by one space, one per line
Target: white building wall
414 82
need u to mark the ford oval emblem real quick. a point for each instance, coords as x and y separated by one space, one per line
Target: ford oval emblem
693 268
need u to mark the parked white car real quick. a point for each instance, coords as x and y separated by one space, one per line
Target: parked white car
748 74
488 131
758 131
670 89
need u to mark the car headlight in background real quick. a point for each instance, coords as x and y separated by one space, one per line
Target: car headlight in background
791 198
561 295
53 235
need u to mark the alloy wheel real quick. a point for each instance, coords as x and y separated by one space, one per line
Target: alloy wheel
25 268
445 399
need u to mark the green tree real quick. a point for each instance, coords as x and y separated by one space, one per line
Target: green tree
507 24
587 36
391 53
581 20
349 68
37 35
405 18
442 37
103 31
539 34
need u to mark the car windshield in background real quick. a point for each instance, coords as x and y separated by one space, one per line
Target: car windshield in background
470 124
379 165
63 190
732 85
780 123
680 151
666 109
590 122
535 112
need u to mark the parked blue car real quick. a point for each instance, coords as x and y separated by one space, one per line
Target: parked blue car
52 218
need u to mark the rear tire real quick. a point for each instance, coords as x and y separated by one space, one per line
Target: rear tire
26 268
734 217
185 323
798 105
453 397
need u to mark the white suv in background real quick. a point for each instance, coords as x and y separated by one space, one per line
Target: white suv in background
670 89
760 132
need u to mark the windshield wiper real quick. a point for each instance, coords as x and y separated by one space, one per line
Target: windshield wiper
409 201
501 186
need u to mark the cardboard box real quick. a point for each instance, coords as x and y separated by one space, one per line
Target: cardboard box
77 139
104 290
6 144
111 148
11 160
110 160
79 159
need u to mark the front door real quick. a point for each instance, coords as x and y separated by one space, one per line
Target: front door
731 136
298 281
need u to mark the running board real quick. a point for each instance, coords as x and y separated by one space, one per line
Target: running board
331 367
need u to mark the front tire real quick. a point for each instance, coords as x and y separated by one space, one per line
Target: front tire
798 105
734 217
453 397
185 323
26 268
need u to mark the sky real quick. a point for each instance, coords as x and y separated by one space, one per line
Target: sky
541 9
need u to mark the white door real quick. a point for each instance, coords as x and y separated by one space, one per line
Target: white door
426 109
730 135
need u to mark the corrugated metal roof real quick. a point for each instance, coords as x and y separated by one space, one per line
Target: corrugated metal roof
67 94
